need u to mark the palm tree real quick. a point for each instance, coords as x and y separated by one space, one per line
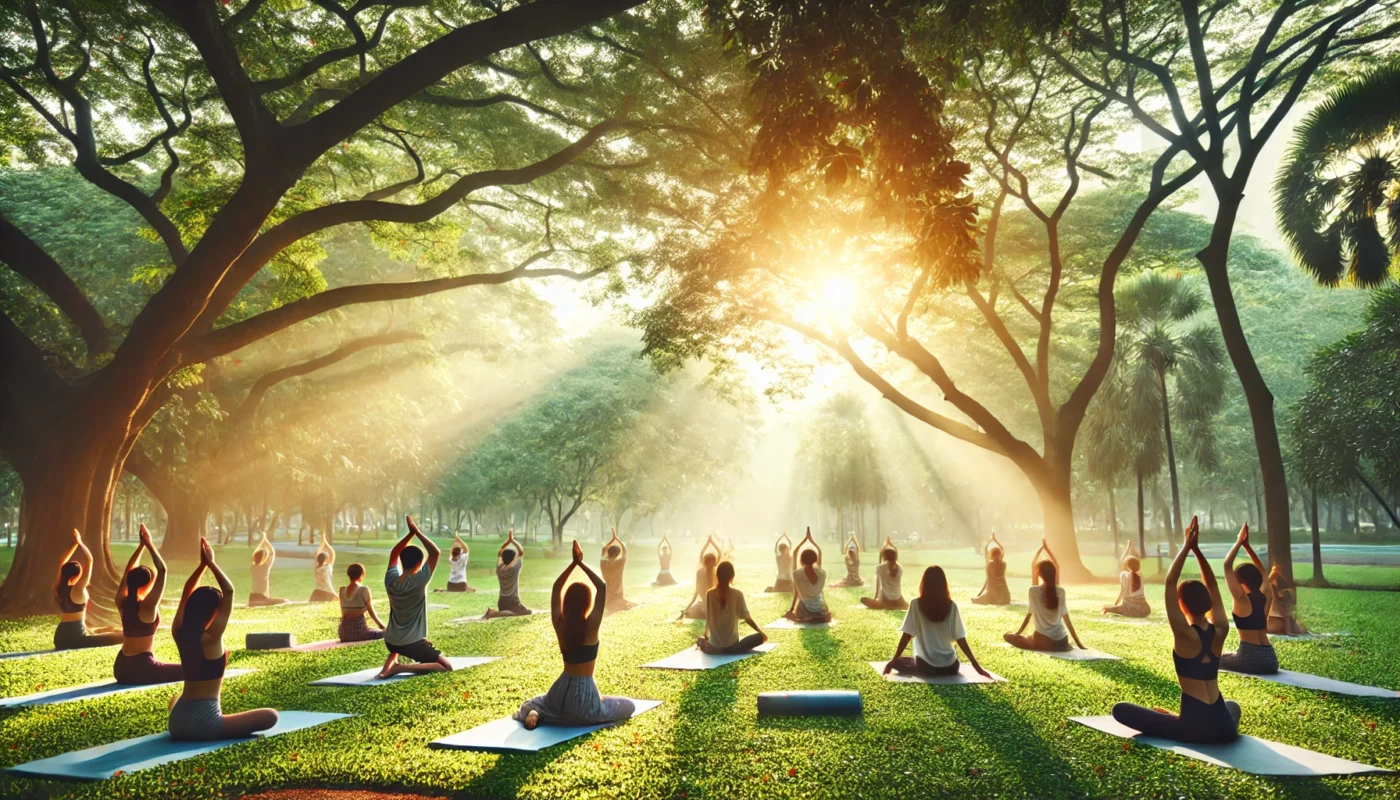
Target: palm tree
1124 434
1340 176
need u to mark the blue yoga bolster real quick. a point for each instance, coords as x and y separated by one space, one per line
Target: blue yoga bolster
818 702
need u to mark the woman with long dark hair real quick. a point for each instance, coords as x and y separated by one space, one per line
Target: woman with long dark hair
934 624
70 590
1131 600
1253 596
994 591
808 583
1053 627
724 607
574 697
355 602
138 603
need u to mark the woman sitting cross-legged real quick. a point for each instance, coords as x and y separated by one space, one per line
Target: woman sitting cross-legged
1252 599
457 566
1131 600
783 551
724 607
663 560
994 592
195 714
889 593
574 697
263 557
934 623
808 602
138 602
1053 627
852 560
510 559
355 602
1196 613
70 590
704 581
324 591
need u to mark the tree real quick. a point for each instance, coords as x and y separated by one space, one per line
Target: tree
843 462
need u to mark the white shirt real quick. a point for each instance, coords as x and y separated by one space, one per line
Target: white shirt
260 577
1125 579
457 568
323 578
785 566
1048 620
809 594
933 641
724 621
888 580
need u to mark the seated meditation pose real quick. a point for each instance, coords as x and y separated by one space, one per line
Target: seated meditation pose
704 580
889 575
1131 600
1196 613
406 582
783 551
457 566
263 556
324 591
663 560
808 602
1252 599
195 713
852 564
509 560
355 602
724 607
994 591
138 602
574 697
74 573
613 566
1281 619
1053 627
935 624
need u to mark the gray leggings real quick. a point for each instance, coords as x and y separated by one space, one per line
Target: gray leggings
1254 659
196 720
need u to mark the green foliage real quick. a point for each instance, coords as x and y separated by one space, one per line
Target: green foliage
841 457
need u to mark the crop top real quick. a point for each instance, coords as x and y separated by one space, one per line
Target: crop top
132 626
1204 669
197 666
582 654
65 600
1258 610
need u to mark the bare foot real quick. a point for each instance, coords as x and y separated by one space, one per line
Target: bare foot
532 720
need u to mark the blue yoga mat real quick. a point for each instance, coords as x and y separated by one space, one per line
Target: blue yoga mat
144 752
89 690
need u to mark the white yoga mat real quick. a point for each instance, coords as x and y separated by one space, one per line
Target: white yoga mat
966 674
1247 754
366 677
1076 654
467 620
507 735
1317 683
316 647
94 689
785 624
695 659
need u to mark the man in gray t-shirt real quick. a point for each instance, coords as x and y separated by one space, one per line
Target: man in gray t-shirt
509 560
406 582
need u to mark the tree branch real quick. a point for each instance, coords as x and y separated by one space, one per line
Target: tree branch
30 261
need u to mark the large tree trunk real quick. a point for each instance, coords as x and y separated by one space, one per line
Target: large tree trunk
1058 512
1178 524
1317 578
1142 521
1113 518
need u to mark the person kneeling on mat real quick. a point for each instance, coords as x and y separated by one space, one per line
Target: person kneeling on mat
138 602
510 559
1199 628
783 553
74 573
355 602
724 607
1053 627
808 602
889 593
934 623
1252 600
406 582
1131 600
195 713
1281 610
574 697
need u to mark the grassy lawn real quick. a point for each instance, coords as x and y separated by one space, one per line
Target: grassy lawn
1005 740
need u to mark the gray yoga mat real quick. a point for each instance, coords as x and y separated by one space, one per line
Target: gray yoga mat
1247 753
90 690
695 659
1077 654
966 675
470 620
785 624
33 653
507 735
366 677
144 752
1317 683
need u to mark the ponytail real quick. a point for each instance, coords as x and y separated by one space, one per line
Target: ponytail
724 574
1133 566
1050 594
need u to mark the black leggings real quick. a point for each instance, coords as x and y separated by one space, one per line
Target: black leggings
1038 641
1198 722
913 665
73 635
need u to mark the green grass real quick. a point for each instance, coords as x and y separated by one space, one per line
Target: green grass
1005 740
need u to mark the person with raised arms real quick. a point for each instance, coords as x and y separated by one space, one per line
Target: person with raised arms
574 698
1253 596
663 560
406 582
613 566
70 590
196 714
782 550
889 576
724 607
138 603
1131 601
1053 627
808 602
457 566
355 602
263 557
994 590
934 624
324 591
852 560
510 559
1196 613
1281 610
704 580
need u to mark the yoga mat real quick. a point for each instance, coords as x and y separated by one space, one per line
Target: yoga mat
436 606
1247 754
466 620
507 735
1317 683
695 659
94 689
144 752
313 647
1071 655
33 653
1304 637
966 674
365 677
785 624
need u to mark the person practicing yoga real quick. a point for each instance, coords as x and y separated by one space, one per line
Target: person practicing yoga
852 559
457 566
889 575
195 713
1049 610
783 551
663 560
509 561
727 552
1196 613
1252 596
263 556
704 580
1131 601
138 602
574 697
808 602
325 561
1281 619
74 573
724 607
994 591
935 624
613 565
355 602
406 582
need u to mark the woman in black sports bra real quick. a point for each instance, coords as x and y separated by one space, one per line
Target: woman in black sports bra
574 697
70 591
1197 617
1253 597
138 602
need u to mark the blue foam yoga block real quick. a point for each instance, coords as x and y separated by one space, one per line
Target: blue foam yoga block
814 703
